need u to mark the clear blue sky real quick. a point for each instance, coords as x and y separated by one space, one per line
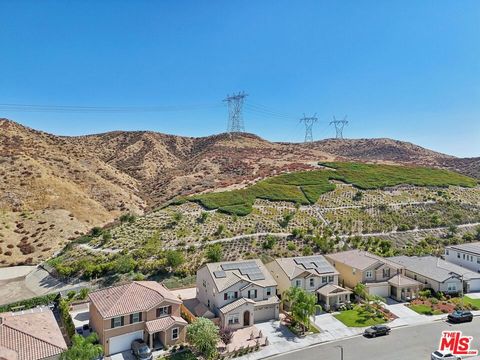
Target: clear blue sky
408 70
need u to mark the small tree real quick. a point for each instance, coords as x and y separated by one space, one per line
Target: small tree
203 217
302 305
83 348
203 334
214 252
174 258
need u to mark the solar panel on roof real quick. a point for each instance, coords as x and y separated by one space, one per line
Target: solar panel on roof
220 274
256 276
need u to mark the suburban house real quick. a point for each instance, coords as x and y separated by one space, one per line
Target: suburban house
239 293
438 274
381 276
466 255
313 274
30 335
138 310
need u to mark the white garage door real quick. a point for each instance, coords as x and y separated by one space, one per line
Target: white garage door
123 342
382 290
474 285
264 313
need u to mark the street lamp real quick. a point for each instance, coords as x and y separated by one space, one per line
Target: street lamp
341 351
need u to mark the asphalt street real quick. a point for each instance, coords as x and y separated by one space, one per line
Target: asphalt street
416 343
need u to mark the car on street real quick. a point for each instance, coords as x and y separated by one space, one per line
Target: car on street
460 316
443 355
141 350
377 330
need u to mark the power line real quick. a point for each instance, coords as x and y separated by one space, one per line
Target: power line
102 109
235 112
339 125
309 121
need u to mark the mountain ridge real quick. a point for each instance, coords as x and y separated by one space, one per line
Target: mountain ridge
90 180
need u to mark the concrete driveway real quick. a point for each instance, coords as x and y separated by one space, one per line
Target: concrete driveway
329 324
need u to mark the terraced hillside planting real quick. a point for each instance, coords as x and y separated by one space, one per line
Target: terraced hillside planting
306 187
443 209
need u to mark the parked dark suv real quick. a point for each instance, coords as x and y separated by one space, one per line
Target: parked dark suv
460 316
141 351
377 330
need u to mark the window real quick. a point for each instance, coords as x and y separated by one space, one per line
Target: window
298 283
463 256
324 279
204 283
330 279
208 302
452 287
312 282
269 291
458 255
368 274
163 311
233 319
478 260
447 252
386 273
117 322
230 295
252 294
415 277
174 333
135 318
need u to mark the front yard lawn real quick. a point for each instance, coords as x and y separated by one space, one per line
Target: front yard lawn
474 302
425 309
359 317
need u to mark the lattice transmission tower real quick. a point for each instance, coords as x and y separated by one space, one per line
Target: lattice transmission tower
339 125
309 121
235 112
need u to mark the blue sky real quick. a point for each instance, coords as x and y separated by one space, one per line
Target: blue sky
408 70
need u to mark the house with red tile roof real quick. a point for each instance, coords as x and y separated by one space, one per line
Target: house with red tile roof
139 310
30 335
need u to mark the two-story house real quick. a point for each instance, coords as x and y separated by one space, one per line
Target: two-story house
313 274
239 293
438 274
138 310
381 276
465 255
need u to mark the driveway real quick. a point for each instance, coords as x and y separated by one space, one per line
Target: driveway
406 316
475 295
335 328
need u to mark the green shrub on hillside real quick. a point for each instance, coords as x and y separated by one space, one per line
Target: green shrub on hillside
305 187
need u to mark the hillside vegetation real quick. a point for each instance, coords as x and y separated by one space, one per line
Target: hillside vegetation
306 187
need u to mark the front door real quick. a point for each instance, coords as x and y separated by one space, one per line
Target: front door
246 318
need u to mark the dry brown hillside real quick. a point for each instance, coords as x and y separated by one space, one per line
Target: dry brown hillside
53 188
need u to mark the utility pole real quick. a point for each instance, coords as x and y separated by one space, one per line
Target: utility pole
235 112
339 125
309 121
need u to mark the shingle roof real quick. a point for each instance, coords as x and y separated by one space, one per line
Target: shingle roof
129 298
294 266
234 276
401 280
332 289
432 267
473 248
30 335
163 324
234 305
360 259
